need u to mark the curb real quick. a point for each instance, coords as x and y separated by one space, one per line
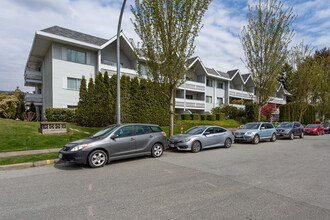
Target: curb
28 165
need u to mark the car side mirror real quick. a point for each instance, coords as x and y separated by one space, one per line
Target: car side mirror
206 133
114 136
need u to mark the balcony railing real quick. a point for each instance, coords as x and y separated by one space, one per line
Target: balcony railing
277 101
193 86
240 94
112 68
35 98
32 78
238 106
190 103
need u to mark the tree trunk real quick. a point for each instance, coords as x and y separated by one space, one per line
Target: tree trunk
300 116
259 113
171 113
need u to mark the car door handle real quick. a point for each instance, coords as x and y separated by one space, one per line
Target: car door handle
150 136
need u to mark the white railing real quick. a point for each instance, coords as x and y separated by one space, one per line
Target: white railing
32 78
194 86
277 100
238 106
240 94
122 69
36 98
190 103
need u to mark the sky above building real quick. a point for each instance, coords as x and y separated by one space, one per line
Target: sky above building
218 44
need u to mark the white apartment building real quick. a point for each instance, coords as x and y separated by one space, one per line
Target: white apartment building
60 57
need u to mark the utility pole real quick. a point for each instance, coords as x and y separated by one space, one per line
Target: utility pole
118 61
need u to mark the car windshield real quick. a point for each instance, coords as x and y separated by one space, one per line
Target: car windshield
251 126
285 125
311 126
195 130
105 131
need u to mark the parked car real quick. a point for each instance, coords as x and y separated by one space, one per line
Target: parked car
116 142
255 132
326 127
202 137
289 130
314 129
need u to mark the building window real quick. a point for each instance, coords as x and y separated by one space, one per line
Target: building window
209 82
189 97
72 106
73 83
76 56
208 99
219 101
219 85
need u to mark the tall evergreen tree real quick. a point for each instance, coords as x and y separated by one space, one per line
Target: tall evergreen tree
21 109
81 112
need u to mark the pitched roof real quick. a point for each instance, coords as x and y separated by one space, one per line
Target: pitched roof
245 76
190 61
225 75
211 71
231 73
75 35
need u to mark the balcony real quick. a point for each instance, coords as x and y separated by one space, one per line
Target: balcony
190 103
193 86
240 94
32 78
35 98
113 69
238 106
277 101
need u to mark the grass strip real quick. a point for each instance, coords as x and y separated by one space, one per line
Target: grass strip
28 158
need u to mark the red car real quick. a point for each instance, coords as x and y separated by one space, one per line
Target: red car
314 129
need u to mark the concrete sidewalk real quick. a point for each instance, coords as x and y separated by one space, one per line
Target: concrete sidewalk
28 152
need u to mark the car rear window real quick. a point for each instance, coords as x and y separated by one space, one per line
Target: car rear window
155 129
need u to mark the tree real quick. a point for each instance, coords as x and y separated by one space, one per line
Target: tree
12 111
21 109
268 110
303 83
168 29
265 41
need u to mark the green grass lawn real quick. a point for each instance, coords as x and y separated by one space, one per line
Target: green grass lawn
20 135
27 158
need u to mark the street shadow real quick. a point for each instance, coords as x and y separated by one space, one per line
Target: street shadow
62 165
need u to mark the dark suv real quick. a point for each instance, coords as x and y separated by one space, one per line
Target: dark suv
116 142
289 130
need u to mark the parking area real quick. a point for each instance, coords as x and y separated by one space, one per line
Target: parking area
282 180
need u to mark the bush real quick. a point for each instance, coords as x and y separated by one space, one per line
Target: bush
216 110
12 111
251 112
210 117
194 116
263 117
237 102
60 114
203 117
185 116
219 116
176 116
21 109
230 111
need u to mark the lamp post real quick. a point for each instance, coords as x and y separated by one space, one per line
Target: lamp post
118 61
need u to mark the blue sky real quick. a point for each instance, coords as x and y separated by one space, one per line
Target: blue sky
218 44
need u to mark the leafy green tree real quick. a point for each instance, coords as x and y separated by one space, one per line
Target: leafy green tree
12 111
251 110
21 109
91 102
100 102
168 29
265 40
81 117
109 100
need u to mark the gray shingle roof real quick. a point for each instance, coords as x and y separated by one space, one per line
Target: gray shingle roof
75 35
225 75
231 73
190 61
245 76
211 71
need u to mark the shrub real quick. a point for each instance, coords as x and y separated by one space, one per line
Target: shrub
263 117
176 116
251 112
185 116
60 114
219 116
230 111
238 101
216 110
194 116
12 111
210 117
21 109
29 116
203 117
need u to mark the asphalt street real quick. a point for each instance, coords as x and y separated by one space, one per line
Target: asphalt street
281 180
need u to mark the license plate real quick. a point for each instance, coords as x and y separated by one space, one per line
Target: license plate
60 156
238 136
308 131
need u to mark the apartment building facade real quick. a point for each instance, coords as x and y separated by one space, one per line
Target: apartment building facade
60 57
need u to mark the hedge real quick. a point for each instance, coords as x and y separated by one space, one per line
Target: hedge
176 116
220 116
251 111
60 114
194 116
289 112
203 117
185 116
210 117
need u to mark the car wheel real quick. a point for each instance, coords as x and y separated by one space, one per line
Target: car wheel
196 147
291 136
97 159
302 135
157 150
273 138
228 143
256 139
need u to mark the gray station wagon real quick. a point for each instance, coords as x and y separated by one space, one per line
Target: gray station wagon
116 142
255 132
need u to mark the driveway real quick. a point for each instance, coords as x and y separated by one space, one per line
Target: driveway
281 180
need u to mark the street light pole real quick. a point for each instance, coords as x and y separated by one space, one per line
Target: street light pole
118 61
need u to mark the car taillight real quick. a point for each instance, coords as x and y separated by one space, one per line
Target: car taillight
164 133
232 132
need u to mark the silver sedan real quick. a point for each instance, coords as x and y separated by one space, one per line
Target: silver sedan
202 137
